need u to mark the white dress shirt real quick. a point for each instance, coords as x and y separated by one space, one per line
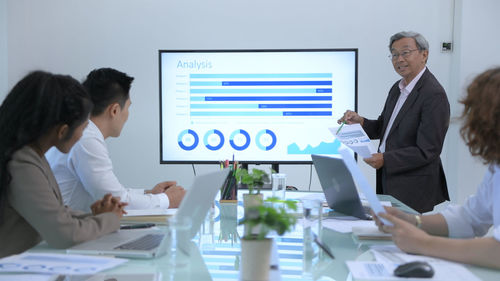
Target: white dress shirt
85 175
405 92
480 211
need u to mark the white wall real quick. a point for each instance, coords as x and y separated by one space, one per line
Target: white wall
70 36
476 50
3 49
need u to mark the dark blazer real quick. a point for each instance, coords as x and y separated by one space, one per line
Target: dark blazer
412 170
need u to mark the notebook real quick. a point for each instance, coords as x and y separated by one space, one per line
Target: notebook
150 243
339 188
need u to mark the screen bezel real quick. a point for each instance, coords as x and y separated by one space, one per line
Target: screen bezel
161 51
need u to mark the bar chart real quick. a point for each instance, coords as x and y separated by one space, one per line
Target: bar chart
265 94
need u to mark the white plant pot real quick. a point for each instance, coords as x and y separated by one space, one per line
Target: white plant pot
255 259
250 200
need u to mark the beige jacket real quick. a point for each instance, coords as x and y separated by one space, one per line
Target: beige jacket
35 210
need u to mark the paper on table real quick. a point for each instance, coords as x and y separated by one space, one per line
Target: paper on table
151 212
363 184
370 270
391 253
92 277
345 224
158 216
354 137
365 202
370 233
29 277
57 263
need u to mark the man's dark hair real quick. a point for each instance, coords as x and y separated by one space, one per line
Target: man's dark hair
107 86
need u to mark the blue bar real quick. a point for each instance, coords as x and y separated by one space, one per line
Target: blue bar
221 253
236 113
307 113
273 83
261 91
290 247
290 256
224 106
290 272
263 75
205 83
226 267
296 105
290 240
323 90
267 98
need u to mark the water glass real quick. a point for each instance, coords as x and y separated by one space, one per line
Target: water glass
312 210
279 185
178 232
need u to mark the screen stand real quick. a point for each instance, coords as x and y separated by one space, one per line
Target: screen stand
275 167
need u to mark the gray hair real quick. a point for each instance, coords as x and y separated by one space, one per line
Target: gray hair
422 44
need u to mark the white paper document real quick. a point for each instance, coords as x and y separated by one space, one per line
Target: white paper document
28 277
384 271
370 233
345 224
354 137
57 263
392 254
93 277
150 212
363 184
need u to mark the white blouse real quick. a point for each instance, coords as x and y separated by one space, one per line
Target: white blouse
86 174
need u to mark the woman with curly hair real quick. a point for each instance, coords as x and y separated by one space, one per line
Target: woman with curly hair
41 111
467 224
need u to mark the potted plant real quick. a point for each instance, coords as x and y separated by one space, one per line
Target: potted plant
256 247
254 181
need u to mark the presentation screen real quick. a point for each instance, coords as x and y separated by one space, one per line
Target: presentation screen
262 106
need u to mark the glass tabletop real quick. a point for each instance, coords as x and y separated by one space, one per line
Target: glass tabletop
215 250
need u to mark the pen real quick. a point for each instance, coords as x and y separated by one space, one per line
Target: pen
136 226
342 125
323 247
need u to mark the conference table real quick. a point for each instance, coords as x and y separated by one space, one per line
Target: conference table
215 251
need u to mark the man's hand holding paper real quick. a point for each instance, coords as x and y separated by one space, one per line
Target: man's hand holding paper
376 161
354 137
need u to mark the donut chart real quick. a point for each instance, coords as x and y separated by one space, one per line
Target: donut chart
236 133
210 133
262 133
180 139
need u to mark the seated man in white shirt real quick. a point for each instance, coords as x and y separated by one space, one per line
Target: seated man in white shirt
86 172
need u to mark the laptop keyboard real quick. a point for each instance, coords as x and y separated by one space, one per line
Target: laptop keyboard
145 243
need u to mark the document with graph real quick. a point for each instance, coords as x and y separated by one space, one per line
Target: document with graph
354 137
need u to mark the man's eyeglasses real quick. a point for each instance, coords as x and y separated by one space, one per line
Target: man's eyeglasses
404 54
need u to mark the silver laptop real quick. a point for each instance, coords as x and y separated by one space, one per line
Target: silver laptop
339 188
150 243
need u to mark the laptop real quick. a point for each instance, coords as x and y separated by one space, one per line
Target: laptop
339 188
150 243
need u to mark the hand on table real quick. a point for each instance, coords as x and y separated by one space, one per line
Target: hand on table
175 195
162 187
109 204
